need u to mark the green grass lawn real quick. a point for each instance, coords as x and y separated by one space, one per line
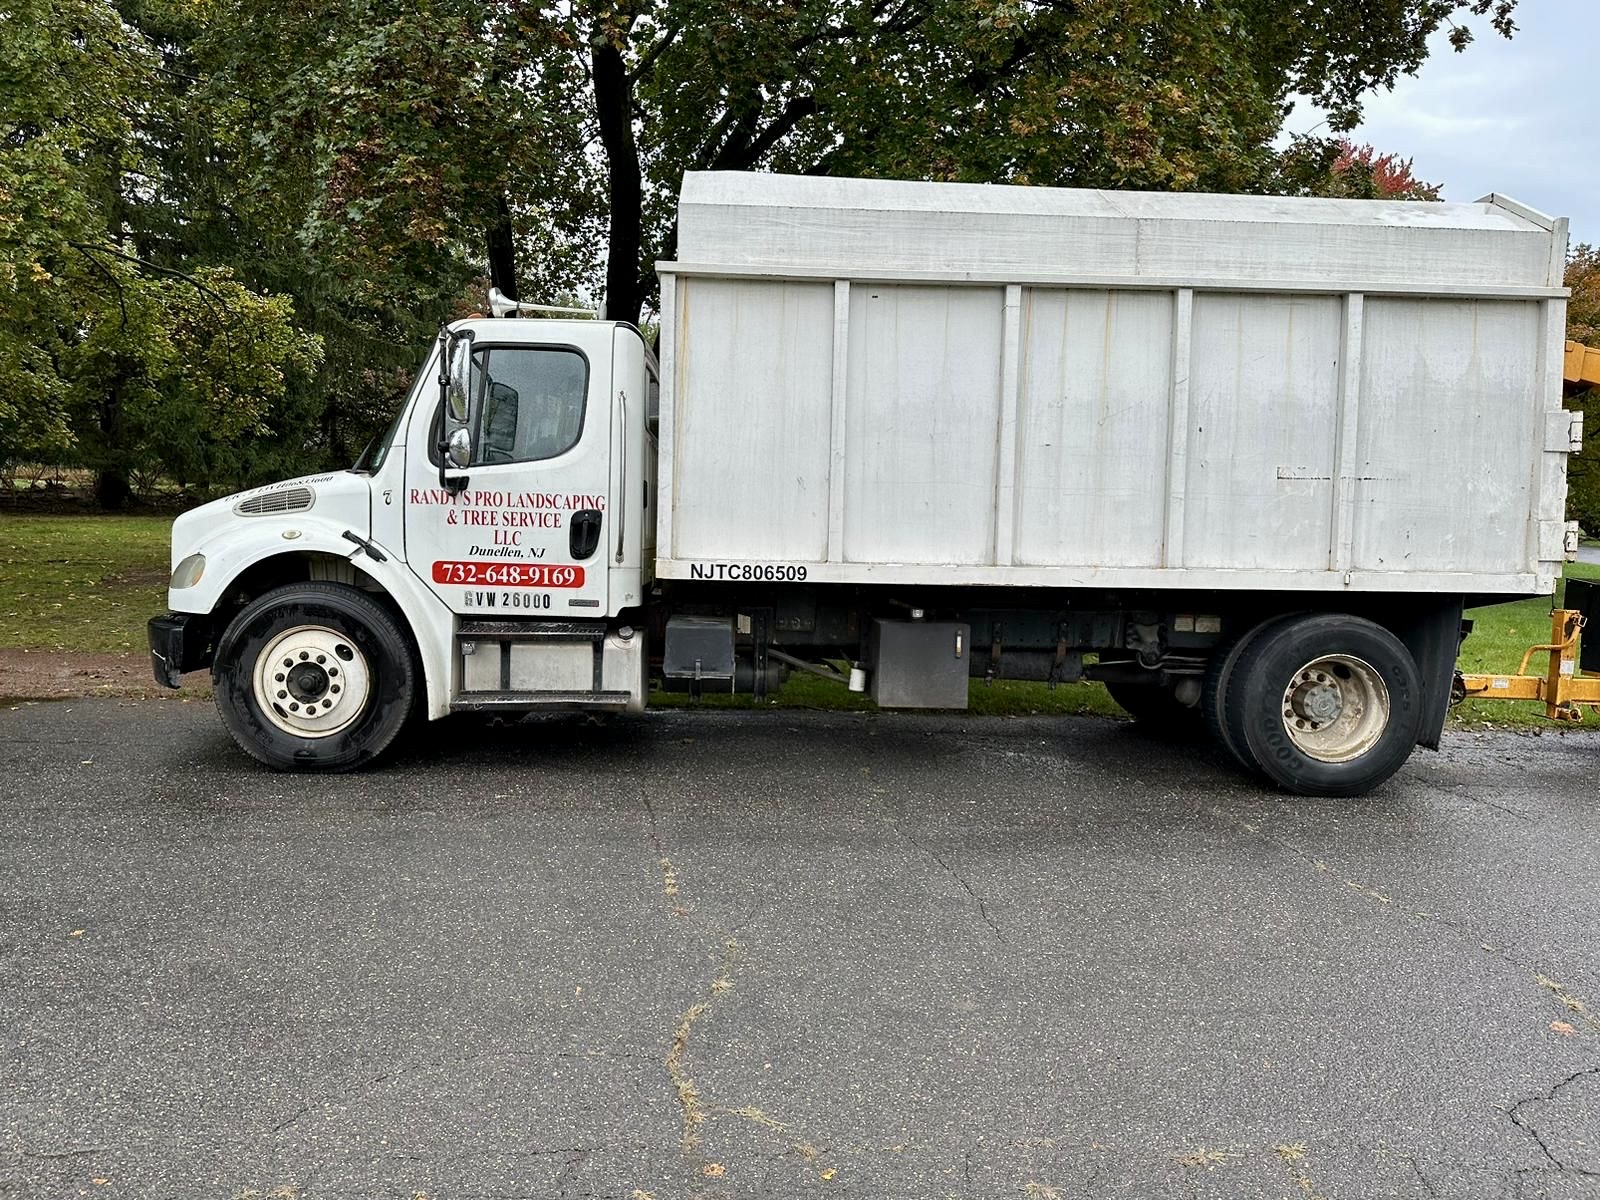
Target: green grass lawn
1003 698
81 583
90 583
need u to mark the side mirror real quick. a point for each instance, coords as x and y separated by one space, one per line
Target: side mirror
455 392
456 379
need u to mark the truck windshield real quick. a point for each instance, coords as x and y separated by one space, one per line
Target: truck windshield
378 448
372 458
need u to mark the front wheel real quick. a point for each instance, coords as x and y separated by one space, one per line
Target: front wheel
314 676
1325 704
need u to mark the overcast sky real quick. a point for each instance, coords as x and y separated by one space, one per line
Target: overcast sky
1513 117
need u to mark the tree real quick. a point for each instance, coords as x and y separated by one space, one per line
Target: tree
132 362
1583 325
1583 308
422 120
1339 168
1124 93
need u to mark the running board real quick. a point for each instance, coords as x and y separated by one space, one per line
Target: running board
528 701
563 631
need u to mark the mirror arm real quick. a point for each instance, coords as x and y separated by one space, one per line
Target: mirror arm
444 479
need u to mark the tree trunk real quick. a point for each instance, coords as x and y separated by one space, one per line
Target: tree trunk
502 251
613 97
112 490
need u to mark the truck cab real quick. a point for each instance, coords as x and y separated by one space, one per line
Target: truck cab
485 553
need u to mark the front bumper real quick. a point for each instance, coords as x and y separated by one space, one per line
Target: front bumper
179 642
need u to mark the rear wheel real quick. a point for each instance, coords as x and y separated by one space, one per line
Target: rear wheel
314 676
1325 705
1213 692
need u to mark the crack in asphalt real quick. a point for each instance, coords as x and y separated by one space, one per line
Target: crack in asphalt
1460 792
345 1093
1416 1169
1570 1003
1528 1127
694 1109
983 908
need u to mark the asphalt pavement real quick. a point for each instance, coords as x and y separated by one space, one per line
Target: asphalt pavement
789 954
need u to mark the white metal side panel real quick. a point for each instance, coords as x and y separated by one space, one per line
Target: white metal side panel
922 417
1450 417
1263 394
1092 429
753 387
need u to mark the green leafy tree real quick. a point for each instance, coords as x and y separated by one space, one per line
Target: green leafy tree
1114 93
1583 308
558 134
216 207
1583 326
108 350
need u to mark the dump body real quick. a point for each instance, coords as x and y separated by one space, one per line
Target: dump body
884 382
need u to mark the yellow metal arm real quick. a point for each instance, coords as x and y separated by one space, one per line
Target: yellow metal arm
1561 687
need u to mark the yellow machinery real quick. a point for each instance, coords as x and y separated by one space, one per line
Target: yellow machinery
1581 368
1563 686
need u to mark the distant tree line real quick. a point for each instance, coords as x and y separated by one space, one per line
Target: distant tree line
228 227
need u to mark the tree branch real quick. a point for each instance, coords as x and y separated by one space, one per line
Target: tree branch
717 142
657 48
171 272
797 110
122 300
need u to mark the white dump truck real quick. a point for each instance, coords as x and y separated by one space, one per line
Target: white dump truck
1244 459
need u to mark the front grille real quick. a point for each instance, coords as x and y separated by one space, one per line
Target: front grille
271 504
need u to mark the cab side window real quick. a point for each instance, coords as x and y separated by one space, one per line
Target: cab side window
532 402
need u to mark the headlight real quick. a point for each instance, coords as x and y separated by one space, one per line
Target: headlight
188 572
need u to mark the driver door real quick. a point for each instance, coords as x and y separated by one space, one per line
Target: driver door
523 536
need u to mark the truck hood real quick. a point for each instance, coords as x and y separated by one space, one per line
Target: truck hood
343 498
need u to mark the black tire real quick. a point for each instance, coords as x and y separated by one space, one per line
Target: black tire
1370 676
359 634
1153 704
1215 688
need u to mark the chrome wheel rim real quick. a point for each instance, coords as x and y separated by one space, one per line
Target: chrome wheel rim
1335 708
312 681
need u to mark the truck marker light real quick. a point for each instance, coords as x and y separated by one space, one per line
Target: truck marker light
187 573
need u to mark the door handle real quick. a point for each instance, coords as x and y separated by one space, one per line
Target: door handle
583 536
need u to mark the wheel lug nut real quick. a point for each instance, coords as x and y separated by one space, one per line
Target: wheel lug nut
294 708
304 655
283 695
334 688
